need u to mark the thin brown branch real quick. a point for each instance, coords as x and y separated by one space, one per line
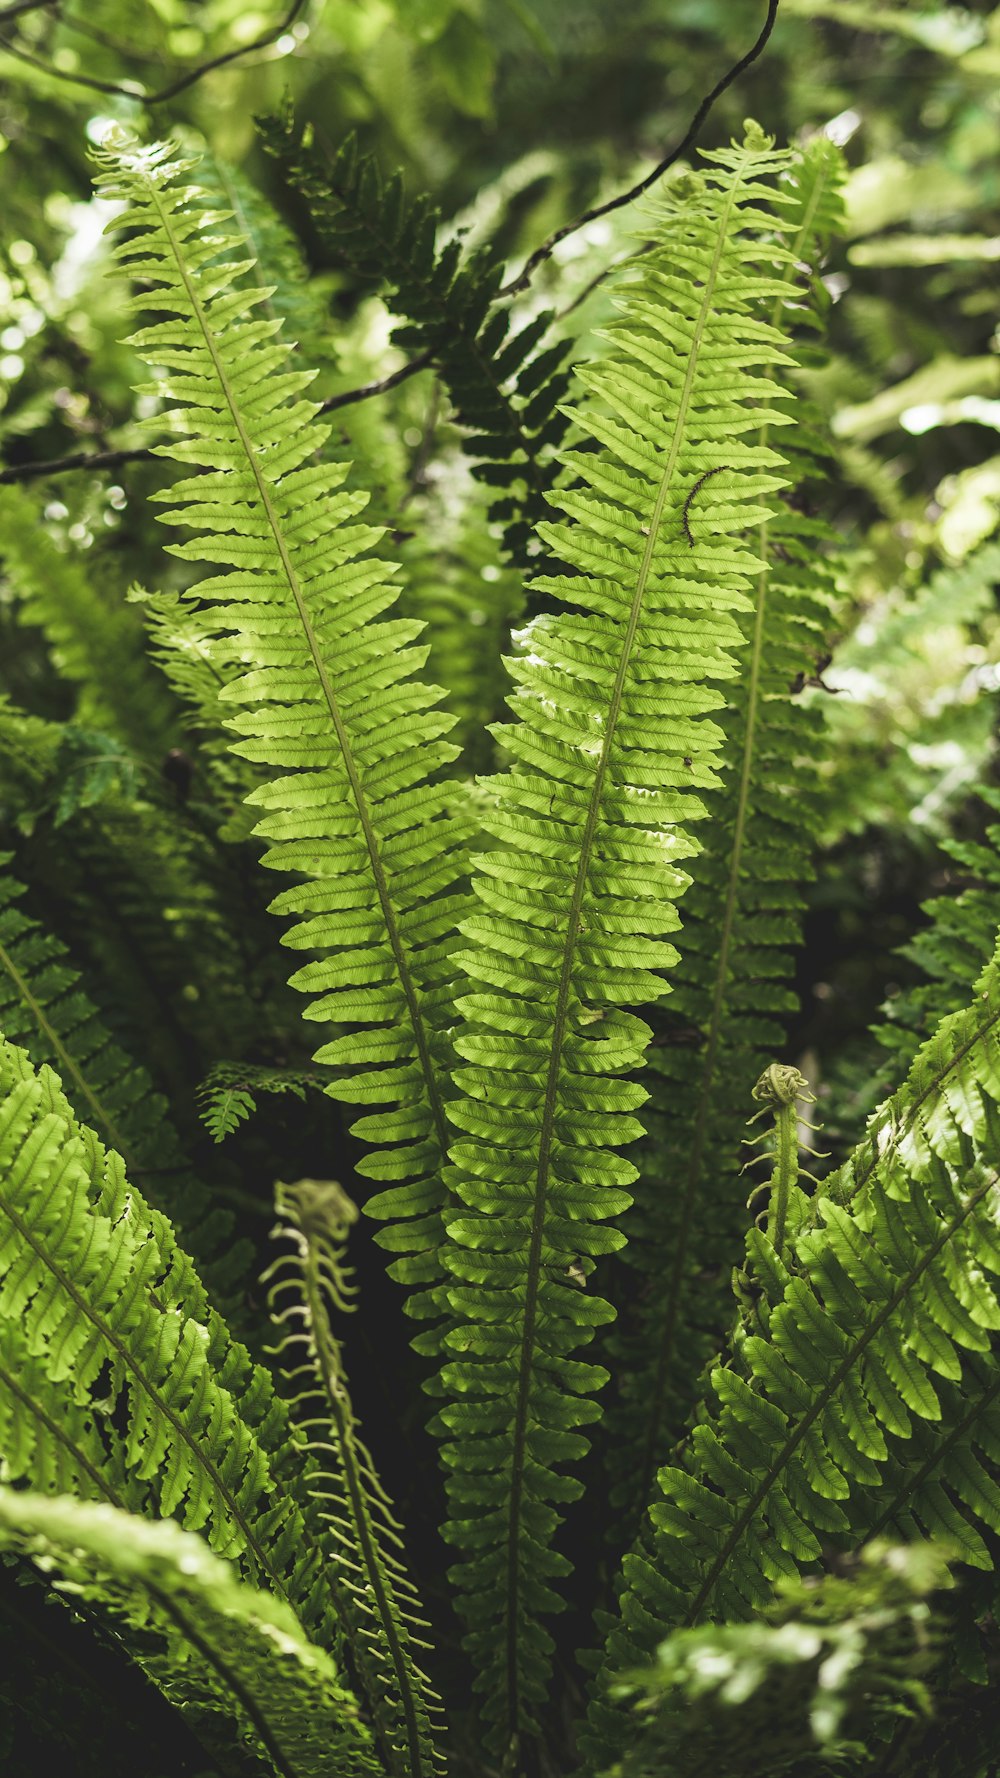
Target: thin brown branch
548 247
28 472
133 90
350 396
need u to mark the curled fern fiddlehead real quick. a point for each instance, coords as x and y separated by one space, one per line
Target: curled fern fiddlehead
782 1089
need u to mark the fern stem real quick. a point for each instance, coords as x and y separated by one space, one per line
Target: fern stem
525 1367
824 1395
329 695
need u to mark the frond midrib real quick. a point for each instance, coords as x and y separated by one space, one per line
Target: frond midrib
329 695
565 979
824 1395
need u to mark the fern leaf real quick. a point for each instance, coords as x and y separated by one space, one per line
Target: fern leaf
613 745
740 928
311 1285
506 386
228 1092
44 1009
354 745
862 1394
95 1288
212 1643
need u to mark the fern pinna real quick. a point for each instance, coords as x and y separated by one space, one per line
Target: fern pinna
355 803
614 742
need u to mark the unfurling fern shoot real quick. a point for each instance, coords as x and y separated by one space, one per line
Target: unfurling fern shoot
311 1285
782 1089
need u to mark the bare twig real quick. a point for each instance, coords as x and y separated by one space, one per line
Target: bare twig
548 247
350 396
29 472
134 90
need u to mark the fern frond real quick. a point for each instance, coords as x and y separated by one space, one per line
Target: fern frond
309 1286
95 641
506 385
228 1094
212 1643
94 1286
293 295
44 1009
354 805
731 991
861 1394
613 744
140 894
822 1681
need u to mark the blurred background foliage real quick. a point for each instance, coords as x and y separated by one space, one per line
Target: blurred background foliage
513 116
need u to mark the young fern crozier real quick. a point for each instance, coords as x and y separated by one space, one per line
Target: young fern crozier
310 1285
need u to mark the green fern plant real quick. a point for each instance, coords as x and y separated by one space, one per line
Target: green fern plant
807 1374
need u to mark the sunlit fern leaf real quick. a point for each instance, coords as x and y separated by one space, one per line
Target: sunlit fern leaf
44 1008
613 745
355 805
311 1287
95 1288
860 1395
95 641
505 384
213 1644
740 927
291 292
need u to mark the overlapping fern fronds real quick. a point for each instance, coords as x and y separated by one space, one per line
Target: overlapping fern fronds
311 1284
43 1007
173 1418
214 1645
353 745
740 928
506 385
613 745
861 1393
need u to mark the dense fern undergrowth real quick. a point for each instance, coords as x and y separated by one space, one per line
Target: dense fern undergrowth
473 1297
